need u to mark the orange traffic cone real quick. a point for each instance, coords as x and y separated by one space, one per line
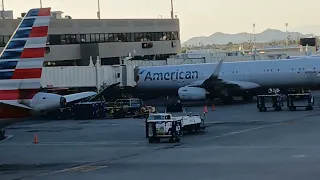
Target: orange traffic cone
205 110
213 108
35 139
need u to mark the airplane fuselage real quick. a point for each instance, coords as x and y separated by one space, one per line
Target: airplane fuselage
265 73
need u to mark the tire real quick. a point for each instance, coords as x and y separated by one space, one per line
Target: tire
309 108
177 139
278 109
151 139
292 108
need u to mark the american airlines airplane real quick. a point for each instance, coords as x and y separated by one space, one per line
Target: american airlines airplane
21 64
225 80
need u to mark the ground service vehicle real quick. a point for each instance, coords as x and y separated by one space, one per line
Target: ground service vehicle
126 107
305 100
162 125
270 101
187 123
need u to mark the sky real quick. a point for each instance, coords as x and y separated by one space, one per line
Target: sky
197 17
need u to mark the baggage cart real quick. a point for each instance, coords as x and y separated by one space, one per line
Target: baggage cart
270 101
160 126
191 123
89 110
305 100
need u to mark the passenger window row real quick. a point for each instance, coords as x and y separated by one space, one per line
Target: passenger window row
268 70
59 39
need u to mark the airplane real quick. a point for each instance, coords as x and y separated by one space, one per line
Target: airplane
21 63
193 82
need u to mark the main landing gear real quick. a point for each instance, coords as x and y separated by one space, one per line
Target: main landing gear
2 134
227 99
247 97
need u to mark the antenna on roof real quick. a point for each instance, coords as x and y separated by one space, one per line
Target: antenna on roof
2 13
172 15
98 13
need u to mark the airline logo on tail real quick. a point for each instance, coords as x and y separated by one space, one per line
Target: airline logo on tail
22 59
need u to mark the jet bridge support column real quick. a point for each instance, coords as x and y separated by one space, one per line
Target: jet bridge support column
98 73
124 75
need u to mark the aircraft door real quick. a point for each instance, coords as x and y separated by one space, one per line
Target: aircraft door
310 73
118 74
249 73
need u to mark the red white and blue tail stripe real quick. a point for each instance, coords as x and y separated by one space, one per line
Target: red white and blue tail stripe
22 59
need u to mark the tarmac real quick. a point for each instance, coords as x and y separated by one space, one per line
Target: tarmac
239 143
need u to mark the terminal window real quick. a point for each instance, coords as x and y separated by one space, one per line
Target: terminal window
111 37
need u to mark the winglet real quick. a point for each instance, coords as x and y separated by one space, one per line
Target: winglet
216 72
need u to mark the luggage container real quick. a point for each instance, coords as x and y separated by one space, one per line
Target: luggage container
305 100
191 123
270 101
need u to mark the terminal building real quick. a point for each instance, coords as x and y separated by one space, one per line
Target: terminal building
73 42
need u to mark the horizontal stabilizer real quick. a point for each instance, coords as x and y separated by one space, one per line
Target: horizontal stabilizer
79 96
16 104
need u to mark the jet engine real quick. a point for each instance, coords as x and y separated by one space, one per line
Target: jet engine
192 93
42 102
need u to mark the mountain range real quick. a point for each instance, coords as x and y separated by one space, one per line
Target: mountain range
265 36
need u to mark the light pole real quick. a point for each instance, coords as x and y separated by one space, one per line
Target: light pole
286 34
40 3
254 34
254 41
172 15
98 13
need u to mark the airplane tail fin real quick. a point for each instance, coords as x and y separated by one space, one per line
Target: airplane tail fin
22 59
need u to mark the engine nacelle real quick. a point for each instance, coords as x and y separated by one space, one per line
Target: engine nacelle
42 102
192 93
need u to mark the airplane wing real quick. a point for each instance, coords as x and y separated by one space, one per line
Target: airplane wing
244 85
217 83
78 96
16 104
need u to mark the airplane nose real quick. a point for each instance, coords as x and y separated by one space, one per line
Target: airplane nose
63 101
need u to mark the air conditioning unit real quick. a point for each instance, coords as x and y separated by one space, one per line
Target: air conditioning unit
67 17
